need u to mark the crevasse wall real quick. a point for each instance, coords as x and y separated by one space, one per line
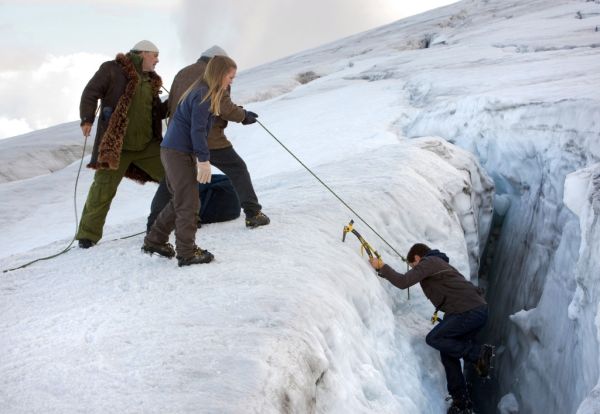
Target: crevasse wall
529 148
582 196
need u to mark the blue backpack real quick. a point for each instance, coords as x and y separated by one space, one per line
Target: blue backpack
218 200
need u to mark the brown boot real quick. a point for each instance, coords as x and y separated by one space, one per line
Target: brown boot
260 219
483 366
460 405
200 256
165 250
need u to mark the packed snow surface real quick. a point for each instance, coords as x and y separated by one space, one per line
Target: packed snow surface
415 125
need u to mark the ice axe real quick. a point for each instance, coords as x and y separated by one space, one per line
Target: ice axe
364 245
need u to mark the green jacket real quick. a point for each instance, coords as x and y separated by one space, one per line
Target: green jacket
115 84
139 128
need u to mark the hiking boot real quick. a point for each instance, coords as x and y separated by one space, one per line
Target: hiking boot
460 405
453 409
260 219
165 250
200 256
483 366
86 243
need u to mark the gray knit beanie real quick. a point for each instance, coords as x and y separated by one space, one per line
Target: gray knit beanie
214 51
144 46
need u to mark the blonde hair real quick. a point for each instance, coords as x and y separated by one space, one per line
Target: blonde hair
215 71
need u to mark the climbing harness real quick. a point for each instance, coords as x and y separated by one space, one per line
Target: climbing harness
364 245
435 318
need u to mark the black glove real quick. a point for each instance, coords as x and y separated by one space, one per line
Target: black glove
250 118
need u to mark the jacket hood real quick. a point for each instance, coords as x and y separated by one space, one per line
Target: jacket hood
136 60
437 253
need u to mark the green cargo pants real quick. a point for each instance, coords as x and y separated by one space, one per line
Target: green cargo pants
105 184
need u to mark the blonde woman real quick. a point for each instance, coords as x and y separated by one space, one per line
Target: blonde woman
185 156
222 154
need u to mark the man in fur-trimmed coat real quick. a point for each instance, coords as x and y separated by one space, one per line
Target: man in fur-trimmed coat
128 134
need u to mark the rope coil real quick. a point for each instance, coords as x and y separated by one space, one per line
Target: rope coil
66 249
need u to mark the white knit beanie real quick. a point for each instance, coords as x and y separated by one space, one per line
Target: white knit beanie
144 46
214 51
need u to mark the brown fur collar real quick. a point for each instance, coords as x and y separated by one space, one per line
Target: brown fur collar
109 151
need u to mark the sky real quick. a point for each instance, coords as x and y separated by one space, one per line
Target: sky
289 316
52 48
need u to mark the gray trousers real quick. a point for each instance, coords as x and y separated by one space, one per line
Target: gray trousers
181 213
234 167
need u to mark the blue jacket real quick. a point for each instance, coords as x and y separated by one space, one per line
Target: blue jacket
189 126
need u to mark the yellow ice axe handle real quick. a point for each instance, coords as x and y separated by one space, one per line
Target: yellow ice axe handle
364 244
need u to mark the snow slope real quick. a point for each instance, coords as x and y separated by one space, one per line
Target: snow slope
40 152
288 319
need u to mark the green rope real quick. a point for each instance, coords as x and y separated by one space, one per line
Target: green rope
130 236
331 191
76 220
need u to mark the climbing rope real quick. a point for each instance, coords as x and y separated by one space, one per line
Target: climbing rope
331 191
136 234
76 219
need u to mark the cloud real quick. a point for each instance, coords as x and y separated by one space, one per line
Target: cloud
46 95
11 127
146 4
263 30
43 90
23 58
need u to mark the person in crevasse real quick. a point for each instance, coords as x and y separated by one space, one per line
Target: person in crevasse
465 313
186 158
222 154
128 134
